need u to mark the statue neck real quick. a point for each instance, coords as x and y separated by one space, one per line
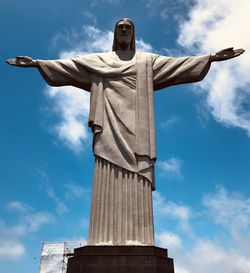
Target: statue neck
125 55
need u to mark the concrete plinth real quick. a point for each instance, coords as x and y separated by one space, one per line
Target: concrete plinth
120 259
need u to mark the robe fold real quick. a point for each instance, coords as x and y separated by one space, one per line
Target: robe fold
121 105
122 120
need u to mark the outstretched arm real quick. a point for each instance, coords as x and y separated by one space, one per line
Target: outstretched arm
22 61
226 54
57 72
171 71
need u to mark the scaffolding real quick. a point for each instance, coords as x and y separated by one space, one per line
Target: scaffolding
54 256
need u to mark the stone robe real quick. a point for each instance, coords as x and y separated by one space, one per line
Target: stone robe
122 120
121 106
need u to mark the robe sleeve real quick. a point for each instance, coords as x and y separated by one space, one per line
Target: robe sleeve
169 71
65 72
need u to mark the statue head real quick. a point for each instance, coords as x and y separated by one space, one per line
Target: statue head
124 35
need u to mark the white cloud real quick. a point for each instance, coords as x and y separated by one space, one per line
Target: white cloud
26 222
29 219
231 210
87 39
208 252
70 104
207 256
179 269
172 209
38 219
171 167
9 231
143 46
163 208
169 240
214 25
11 249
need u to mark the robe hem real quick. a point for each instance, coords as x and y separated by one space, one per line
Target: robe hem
138 173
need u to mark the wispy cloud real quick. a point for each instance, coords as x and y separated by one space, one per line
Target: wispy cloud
171 167
208 30
18 206
203 113
71 105
170 122
74 189
27 221
110 2
45 182
231 210
90 39
90 17
168 9
35 221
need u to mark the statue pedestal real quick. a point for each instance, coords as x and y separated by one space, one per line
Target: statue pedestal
120 259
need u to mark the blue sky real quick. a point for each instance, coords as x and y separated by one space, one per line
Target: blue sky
202 198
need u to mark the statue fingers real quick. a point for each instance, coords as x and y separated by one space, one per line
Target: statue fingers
238 52
20 61
11 61
24 58
228 49
225 50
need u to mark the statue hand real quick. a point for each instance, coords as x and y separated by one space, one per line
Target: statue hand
23 61
226 54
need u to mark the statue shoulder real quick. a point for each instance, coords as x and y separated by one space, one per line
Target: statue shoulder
94 55
147 55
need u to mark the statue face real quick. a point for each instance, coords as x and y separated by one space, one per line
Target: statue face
124 33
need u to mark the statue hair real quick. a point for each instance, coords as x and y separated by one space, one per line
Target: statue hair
132 44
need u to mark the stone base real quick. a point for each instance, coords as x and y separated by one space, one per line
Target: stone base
120 259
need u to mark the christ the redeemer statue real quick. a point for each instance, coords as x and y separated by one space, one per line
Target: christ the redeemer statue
122 85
